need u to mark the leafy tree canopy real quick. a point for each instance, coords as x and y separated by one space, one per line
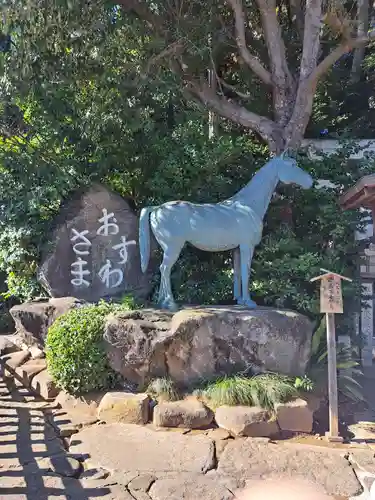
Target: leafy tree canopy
86 98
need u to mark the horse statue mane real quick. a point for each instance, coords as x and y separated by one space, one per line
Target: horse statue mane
233 224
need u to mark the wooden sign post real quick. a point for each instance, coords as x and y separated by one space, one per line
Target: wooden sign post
331 303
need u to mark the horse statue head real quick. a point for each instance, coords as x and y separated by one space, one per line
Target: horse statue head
290 173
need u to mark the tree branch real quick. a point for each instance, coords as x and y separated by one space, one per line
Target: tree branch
282 79
363 8
234 89
275 44
141 8
253 63
173 50
307 87
311 39
339 51
238 114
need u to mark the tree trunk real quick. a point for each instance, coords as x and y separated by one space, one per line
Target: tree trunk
212 82
363 25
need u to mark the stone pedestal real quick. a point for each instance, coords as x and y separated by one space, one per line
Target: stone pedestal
204 343
367 324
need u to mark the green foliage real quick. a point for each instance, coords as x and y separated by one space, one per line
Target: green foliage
318 366
128 301
304 384
6 321
307 230
89 114
74 347
23 286
163 389
264 390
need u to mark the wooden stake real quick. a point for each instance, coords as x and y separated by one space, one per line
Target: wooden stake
333 433
331 303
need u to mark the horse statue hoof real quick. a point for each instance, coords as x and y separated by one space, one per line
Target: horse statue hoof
247 303
170 305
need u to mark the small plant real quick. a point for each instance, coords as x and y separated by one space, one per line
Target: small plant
128 301
163 389
318 366
264 390
74 348
304 384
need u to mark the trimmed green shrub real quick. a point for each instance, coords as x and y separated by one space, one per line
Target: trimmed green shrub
264 390
74 347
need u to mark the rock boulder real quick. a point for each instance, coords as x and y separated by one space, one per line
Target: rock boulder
201 343
33 319
124 407
189 414
295 416
248 421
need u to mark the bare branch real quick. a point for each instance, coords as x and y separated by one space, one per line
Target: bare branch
234 89
306 89
311 39
141 8
253 63
339 24
238 114
338 52
305 94
173 50
282 79
281 75
363 7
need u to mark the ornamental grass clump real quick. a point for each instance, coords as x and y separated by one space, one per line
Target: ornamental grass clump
265 391
163 389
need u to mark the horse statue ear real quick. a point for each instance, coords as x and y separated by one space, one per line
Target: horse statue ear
289 153
284 154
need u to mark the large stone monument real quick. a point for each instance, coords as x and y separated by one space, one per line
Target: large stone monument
93 251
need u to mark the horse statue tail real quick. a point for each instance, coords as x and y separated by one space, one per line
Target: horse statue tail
144 236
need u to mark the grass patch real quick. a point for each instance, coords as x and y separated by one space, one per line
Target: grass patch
264 390
163 389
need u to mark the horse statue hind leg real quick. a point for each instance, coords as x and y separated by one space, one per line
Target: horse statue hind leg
236 274
171 247
246 256
242 257
172 250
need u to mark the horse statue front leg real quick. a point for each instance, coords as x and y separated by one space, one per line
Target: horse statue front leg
236 274
246 255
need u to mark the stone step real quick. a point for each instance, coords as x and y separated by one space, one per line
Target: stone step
31 373
12 361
